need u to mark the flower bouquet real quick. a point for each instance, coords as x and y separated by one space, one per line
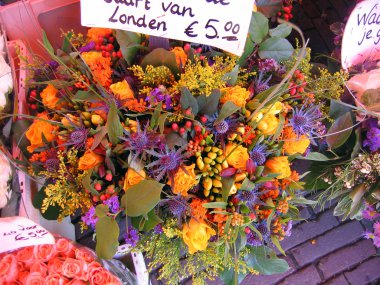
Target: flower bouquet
181 151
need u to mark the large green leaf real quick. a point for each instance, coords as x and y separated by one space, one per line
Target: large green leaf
101 210
371 99
340 131
232 76
129 44
276 48
264 260
107 234
209 105
281 31
187 100
248 49
161 57
114 127
141 198
259 27
228 277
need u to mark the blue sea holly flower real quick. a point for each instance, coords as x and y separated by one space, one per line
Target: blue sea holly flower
305 120
259 154
177 206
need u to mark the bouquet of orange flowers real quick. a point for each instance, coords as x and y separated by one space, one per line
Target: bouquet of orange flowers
190 147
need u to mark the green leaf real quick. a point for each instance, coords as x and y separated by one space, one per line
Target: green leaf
247 185
141 198
156 115
343 207
248 50
52 212
356 196
66 42
269 7
187 100
161 122
85 96
153 220
281 31
264 260
335 136
210 103
227 183
101 210
337 109
86 183
315 156
358 143
107 234
47 43
99 136
114 127
19 128
129 44
161 57
228 277
214 205
258 28
277 244
276 48
232 76
303 201
227 110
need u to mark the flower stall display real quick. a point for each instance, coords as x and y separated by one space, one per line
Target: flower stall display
191 148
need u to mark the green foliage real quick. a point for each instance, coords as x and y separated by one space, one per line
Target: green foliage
114 127
129 44
161 57
258 28
107 234
264 260
276 48
336 137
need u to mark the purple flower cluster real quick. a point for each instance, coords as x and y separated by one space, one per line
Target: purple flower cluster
113 204
89 47
268 65
370 213
90 218
375 235
372 140
131 236
159 95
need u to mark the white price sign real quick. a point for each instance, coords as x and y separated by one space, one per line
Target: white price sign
219 23
17 232
361 39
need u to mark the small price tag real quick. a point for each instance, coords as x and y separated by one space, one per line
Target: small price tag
361 39
220 23
17 232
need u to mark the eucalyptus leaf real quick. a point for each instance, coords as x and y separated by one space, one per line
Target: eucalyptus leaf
52 212
211 102
129 44
281 31
161 57
187 100
335 136
114 127
107 234
141 198
277 48
232 76
86 183
259 27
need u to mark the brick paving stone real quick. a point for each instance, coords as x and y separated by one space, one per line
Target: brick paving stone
346 258
365 273
340 280
307 230
305 214
269 279
332 240
308 275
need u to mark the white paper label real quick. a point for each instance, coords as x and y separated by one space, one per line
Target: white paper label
219 23
17 232
361 39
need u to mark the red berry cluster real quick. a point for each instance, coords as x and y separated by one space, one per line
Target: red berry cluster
297 84
286 11
107 46
32 100
105 189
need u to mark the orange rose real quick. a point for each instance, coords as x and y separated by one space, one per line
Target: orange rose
35 278
180 56
122 90
196 235
280 165
55 279
35 131
89 160
44 252
92 267
64 248
9 268
133 178
293 143
183 181
74 268
55 265
237 156
77 282
40 267
84 254
235 94
25 255
100 276
49 97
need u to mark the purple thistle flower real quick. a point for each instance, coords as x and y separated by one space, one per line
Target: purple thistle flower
52 164
268 65
223 128
260 84
53 64
177 206
131 236
140 141
370 213
263 229
90 218
113 204
78 137
168 162
259 154
88 47
372 140
249 197
253 239
305 120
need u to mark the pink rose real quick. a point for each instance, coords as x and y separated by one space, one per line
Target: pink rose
84 254
22 275
44 252
77 282
64 248
100 276
9 268
35 278
73 268
26 256
93 266
40 267
55 279
55 265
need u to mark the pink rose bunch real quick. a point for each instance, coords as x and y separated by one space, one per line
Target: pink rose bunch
58 264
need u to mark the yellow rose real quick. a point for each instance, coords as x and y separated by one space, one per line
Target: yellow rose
122 90
70 121
235 94
49 97
35 131
196 235
133 178
279 164
274 109
268 124
238 157
183 181
294 143
89 160
180 56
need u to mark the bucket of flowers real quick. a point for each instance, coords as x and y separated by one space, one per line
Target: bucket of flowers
182 151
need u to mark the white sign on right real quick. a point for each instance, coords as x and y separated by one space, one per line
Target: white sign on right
361 39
